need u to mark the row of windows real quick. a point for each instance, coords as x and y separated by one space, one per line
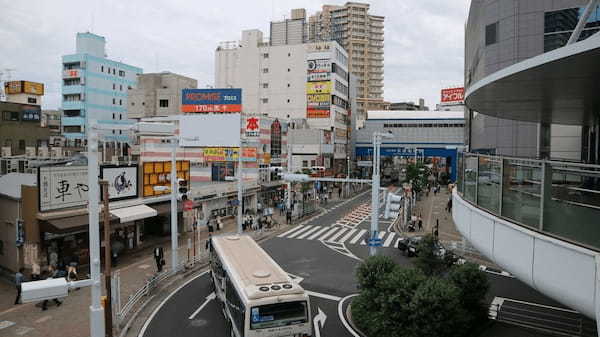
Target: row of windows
26 116
426 125
266 85
110 70
338 70
338 101
339 86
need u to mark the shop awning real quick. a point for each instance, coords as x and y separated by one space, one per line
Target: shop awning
68 224
128 214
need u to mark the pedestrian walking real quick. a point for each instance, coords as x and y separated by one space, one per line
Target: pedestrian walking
19 278
340 193
449 206
159 258
288 217
208 244
420 223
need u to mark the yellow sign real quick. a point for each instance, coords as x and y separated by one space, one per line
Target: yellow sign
33 88
158 173
323 87
318 98
228 154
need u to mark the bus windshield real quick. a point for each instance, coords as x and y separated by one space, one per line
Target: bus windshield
278 314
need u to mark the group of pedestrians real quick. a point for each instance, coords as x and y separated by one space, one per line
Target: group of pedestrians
415 223
60 270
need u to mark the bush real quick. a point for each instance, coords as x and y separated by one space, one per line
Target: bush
473 285
436 311
373 269
427 260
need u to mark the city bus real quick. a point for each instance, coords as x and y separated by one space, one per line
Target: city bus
257 297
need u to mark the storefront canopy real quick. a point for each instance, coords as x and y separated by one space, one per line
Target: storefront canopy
133 213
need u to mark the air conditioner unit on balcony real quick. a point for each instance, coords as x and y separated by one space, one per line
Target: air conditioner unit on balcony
6 151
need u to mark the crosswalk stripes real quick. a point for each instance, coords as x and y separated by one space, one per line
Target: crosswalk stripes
359 236
312 237
338 235
307 233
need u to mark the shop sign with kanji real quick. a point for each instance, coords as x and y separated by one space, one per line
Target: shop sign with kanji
62 187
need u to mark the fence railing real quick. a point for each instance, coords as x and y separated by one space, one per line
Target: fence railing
555 197
122 312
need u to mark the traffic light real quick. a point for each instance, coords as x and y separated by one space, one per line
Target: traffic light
182 189
392 205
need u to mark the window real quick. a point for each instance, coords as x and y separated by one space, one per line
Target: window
289 54
264 100
120 116
143 103
114 86
220 170
288 70
120 87
276 139
72 129
32 100
114 101
10 116
108 70
559 25
288 85
113 71
265 85
266 55
305 163
288 100
101 68
265 70
163 103
120 102
313 163
491 34
22 144
132 103
122 73
113 115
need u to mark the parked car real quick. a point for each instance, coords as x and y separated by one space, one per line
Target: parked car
408 246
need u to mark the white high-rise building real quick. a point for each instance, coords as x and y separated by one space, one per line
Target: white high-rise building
290 81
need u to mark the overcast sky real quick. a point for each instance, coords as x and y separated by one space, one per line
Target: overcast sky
423 38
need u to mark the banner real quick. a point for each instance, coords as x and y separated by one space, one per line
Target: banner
312 77
252 127
453 95
122 181
318 87
319 66
211 100
158 173
312 113
212 154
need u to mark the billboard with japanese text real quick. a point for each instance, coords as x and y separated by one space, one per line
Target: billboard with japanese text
158 173
453 95
319 66
318 87
212 154
122 181
211 100
62 187
252 127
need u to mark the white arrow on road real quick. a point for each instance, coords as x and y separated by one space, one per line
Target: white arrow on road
320 317
209 298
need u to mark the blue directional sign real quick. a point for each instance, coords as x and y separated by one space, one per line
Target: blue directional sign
375 242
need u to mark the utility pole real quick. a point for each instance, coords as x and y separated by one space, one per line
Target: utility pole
174 238
374 196
107 260
239 187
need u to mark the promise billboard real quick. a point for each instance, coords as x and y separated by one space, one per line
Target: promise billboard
211 100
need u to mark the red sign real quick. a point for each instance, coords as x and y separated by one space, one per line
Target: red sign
252 127
453 95
211 108
314 113
188 205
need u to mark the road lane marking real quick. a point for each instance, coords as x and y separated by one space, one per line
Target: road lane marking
300 231
209 298
290 231
347 236
358 236
318 233
343 317
305 234
334 229
337 235
324 296
389 240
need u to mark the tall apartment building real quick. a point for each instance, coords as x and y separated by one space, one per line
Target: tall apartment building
361 34
290 81
94 88
158 95
290 31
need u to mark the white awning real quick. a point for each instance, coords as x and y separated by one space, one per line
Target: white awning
128 214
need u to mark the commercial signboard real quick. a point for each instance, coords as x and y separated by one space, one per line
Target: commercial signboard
316 113
211 100
312 77
158 173
212 154
27 87
319 66
210 130
364 163
252 127
453 95
122 181
318 87
62 187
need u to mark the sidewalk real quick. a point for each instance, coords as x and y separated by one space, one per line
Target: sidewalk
72 317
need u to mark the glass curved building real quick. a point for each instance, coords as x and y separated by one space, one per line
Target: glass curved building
528 193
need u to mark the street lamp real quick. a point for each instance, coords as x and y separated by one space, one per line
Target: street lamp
377 139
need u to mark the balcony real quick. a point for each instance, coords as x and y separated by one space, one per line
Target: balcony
71 73
73 121
72 89
537 219
72 105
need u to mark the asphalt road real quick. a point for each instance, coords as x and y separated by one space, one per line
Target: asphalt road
327 274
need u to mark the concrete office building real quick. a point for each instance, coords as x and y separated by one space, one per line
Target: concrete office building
407 106
94 88
292 81
157 95
24 92
289 31
528 71
20 128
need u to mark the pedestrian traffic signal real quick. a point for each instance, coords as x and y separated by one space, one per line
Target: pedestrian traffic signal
182 189
392 205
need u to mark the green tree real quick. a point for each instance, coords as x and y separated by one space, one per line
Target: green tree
373 269
436 310
417 174
428 260
473 285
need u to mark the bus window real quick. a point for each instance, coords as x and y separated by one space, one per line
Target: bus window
278 314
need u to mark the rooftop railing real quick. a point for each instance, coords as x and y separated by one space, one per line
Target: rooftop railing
560 199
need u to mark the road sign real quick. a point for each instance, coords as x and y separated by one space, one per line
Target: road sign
375 242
